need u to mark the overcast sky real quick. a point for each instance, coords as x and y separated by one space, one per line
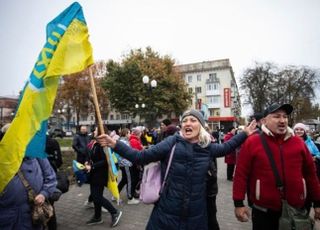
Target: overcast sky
284 32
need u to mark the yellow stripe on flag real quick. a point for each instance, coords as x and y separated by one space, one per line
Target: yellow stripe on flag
66 51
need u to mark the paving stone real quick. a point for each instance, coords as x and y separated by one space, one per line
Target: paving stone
71 214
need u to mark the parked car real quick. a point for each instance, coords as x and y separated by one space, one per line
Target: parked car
56 132
69 133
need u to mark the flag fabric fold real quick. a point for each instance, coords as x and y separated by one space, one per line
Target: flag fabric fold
112 178
113 161
67 50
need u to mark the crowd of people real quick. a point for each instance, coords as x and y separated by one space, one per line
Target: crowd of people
188 200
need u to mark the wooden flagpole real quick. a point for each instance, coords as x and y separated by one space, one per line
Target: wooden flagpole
100 123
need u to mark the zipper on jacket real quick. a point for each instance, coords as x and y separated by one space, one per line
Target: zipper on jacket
284 191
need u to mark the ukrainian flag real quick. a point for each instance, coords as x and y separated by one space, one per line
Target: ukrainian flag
67 50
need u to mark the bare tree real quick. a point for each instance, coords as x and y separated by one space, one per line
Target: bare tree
266 84
258 83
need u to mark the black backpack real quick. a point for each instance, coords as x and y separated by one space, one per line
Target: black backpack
63 181
54 153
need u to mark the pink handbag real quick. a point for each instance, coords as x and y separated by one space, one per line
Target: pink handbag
151 185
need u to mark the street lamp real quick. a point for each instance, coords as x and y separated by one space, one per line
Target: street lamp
137 107
60 119
142 106
150 87
146 80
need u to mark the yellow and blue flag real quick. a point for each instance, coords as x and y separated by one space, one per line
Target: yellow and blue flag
112 182
67 50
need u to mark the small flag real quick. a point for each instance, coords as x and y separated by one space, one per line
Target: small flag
79 172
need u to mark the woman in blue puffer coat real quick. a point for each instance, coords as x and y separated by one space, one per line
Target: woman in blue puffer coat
182 204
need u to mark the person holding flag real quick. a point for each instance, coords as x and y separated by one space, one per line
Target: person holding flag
97 166
67 50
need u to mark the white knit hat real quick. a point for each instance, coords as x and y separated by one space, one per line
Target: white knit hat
301 126
137 130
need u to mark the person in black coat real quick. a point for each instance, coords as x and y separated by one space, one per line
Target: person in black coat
53 151
212 192
54 156
182 204
163 128
79 144
97 167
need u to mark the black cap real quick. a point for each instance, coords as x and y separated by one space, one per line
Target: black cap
257 116
274 107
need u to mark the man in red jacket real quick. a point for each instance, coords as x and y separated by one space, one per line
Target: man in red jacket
253 172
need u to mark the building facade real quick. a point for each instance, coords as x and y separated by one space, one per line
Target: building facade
214 90
8 106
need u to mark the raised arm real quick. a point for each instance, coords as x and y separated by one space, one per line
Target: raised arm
152 154
220 150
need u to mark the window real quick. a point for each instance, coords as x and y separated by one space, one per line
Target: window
213 86
213 76
118 116
216 86
111 117
214 100
189 78
198 77
124 116
198 89
190 90
211 112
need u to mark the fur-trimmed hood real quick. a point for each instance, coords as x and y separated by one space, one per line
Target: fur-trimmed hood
288 134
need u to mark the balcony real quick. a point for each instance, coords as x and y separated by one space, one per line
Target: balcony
214 105
212 92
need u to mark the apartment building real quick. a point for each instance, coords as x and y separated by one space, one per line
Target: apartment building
214 90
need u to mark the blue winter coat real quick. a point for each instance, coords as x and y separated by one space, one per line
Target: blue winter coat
15 211
182 204
312 147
